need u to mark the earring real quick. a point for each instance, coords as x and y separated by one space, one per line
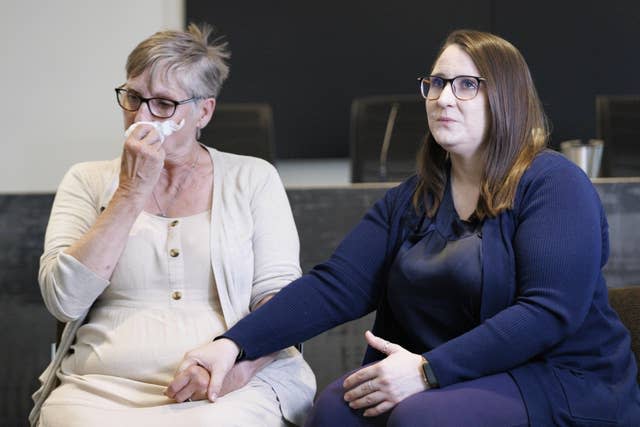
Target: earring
198 134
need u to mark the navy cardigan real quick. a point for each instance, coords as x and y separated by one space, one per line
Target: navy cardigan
544 317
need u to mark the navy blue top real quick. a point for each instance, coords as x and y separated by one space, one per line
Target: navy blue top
435 281
544 314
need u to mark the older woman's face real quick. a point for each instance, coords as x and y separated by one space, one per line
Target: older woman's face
460 127
166 88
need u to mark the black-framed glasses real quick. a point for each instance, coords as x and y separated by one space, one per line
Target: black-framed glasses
161 108
463 87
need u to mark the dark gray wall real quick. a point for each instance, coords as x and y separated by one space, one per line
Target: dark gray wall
26 327
310 59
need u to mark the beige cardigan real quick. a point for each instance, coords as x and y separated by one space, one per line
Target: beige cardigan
254 253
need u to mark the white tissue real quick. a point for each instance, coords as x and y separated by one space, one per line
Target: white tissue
164 129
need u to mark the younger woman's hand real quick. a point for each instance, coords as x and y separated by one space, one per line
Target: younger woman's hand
381 386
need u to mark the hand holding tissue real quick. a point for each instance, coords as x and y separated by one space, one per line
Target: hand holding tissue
164 129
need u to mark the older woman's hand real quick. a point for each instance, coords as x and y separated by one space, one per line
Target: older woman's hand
218 359
381 386
189 384
142 161
193 382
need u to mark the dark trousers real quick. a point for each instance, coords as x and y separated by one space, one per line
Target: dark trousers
488 401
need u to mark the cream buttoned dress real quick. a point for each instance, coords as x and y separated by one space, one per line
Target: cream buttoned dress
163 300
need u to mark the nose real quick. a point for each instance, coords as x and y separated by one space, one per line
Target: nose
143 113
446 96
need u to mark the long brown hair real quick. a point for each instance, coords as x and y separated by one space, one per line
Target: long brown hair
518 128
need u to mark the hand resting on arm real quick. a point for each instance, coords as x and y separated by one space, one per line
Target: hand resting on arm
196 379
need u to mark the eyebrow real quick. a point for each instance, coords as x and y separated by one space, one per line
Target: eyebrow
164 95
128 89
444 76
158 95
441 75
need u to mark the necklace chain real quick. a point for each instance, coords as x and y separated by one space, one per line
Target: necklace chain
163 212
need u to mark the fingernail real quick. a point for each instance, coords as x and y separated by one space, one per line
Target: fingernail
213 397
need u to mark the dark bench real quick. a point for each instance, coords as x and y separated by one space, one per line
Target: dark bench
323 216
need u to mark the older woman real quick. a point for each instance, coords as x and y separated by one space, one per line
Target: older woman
485 271
157 252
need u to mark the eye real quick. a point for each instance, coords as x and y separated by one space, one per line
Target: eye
436 82
131 98
162 104
468 83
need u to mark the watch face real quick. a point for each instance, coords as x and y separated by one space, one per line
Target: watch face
429 376
424 372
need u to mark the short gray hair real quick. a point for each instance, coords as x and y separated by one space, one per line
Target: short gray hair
199 67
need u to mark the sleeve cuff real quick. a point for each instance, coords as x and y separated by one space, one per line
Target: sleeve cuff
75 286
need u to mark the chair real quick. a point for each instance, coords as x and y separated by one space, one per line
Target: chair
626 302
386 133
242 128
618 124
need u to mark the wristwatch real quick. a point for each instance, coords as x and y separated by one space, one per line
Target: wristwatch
241 354
428 375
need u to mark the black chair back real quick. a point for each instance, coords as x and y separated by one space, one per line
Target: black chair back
618 124
386 133
242 128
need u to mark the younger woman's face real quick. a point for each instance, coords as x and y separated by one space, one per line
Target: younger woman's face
460 127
